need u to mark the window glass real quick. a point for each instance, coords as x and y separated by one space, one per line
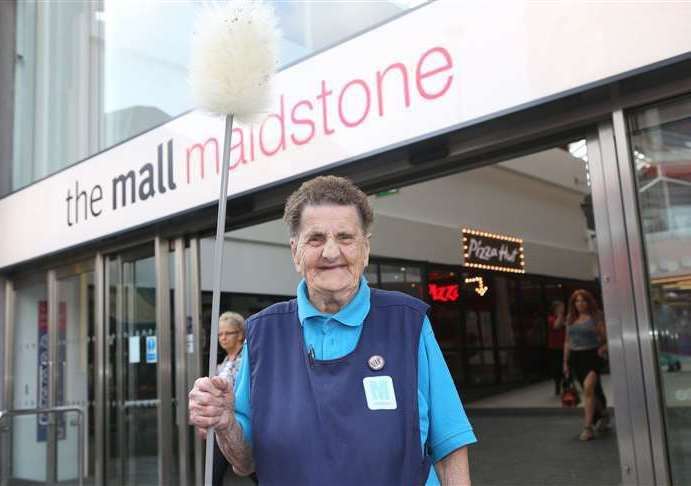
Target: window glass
506 300
661 146
403 278
481 368
532 312
371 275
91 74
445 309
30 379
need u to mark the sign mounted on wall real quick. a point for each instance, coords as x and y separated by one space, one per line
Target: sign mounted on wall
375 92
490 251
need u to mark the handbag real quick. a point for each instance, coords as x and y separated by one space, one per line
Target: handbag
569 395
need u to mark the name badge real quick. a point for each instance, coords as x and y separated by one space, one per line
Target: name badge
379 393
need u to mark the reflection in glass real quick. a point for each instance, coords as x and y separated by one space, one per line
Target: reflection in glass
506 294
132 419
403 278
75 373
91 74
661 146
29 432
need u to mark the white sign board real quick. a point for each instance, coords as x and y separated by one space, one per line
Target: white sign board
445 64
134 351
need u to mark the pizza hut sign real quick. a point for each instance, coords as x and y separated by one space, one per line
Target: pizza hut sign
489 251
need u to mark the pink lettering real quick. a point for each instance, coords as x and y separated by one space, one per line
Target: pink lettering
420 76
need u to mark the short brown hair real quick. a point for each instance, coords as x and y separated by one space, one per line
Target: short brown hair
327 190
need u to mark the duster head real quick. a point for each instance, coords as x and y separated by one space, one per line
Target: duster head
234 55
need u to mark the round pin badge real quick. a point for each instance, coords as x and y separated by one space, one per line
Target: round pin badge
376 362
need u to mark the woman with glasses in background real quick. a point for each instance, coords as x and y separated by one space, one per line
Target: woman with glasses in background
231 337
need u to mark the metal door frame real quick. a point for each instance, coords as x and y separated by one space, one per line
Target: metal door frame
651 377
164 372
8 378
9 351
196 314
187 282
186 279
181 361
54 276
50 277
157 249
640 430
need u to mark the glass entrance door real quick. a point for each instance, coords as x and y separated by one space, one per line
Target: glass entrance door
132 361
660 138
150 360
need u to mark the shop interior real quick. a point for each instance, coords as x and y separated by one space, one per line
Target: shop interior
491 320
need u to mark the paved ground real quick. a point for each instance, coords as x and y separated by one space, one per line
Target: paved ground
526 438
519 447
536 395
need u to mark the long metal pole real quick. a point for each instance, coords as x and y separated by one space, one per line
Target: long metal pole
216 298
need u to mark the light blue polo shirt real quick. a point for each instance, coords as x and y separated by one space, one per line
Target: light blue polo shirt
442 418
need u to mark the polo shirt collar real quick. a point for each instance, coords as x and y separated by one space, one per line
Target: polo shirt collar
352 314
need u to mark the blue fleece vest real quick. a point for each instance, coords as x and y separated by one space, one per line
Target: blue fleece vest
310 421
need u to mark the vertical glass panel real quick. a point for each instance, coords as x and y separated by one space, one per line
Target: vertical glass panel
30 432
175 473
481 369
478 329
53 96
113 413
510 366
133 360
140 394
506 299
190 296
532 311
403 278
661 146
75 386
446 323
192 352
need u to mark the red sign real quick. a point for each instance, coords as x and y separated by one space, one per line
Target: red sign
444 293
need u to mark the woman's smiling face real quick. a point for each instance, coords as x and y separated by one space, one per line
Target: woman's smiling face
331 249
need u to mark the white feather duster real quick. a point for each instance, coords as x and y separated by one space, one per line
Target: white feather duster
234 54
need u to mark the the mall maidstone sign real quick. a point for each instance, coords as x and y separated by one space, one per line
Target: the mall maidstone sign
438 67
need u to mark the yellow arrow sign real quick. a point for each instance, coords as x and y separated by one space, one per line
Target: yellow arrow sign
481 288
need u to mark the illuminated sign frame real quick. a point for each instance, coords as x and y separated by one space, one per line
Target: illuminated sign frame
506 243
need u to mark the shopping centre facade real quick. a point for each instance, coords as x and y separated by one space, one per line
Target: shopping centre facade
511 157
